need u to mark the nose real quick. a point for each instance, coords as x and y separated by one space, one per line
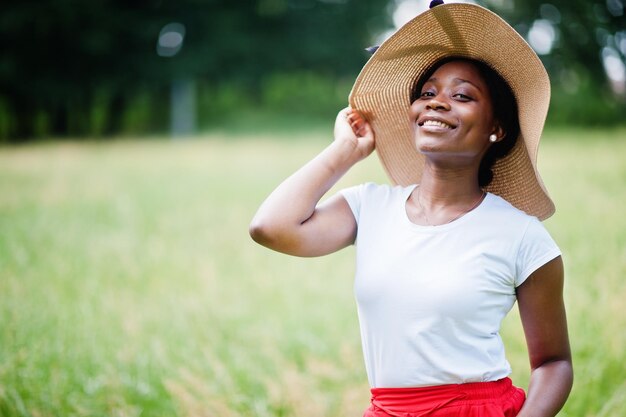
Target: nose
436 104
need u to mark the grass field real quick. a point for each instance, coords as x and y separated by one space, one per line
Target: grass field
129 285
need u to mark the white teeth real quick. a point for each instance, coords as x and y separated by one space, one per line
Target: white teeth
436 123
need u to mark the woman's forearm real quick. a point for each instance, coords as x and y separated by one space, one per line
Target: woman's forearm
549 387
291 221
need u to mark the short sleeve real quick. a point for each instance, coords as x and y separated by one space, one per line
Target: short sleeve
536 249
353 196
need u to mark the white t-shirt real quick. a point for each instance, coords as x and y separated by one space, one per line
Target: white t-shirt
431 298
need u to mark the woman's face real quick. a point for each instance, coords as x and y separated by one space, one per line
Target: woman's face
453 114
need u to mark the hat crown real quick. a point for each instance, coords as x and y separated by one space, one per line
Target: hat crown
434 3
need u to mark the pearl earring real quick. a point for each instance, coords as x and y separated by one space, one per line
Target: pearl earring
493 137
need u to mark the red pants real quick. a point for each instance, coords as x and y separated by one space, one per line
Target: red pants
477 399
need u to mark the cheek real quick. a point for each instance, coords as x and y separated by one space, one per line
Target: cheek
478 118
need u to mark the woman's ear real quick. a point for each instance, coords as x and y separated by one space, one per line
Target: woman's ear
499 132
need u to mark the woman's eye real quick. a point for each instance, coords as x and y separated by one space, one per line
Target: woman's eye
463 97
427 94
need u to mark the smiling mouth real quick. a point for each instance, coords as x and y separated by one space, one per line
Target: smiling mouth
436 123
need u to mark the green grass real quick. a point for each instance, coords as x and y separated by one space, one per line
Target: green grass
129 285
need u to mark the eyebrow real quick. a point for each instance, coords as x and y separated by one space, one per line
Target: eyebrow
457 81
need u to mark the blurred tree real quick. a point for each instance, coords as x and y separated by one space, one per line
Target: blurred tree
70 67
74 67
64 59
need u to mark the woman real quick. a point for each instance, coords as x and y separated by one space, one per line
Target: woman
443 255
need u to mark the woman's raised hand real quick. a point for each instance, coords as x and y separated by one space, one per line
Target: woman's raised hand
351 127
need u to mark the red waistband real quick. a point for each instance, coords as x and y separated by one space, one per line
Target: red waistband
396 401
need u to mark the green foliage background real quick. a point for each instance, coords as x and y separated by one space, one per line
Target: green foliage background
76 68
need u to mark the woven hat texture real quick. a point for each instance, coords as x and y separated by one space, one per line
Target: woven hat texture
382 94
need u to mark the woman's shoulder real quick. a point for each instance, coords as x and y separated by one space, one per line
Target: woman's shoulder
372 194
498 208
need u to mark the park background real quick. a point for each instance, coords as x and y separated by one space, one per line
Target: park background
137 140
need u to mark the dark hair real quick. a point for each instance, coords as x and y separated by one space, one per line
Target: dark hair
504 111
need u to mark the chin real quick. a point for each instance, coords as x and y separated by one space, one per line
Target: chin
426 144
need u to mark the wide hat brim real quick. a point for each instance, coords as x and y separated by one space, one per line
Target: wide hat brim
382 94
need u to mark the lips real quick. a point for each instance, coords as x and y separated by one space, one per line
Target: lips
435 122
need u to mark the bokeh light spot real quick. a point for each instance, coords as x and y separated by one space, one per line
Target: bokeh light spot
170 39
541 36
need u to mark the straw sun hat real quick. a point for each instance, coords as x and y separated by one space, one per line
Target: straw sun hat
382 94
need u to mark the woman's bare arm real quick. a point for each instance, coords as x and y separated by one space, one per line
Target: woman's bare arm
542 311
291 221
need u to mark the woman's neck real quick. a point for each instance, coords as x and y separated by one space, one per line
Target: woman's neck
441 187
444 195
